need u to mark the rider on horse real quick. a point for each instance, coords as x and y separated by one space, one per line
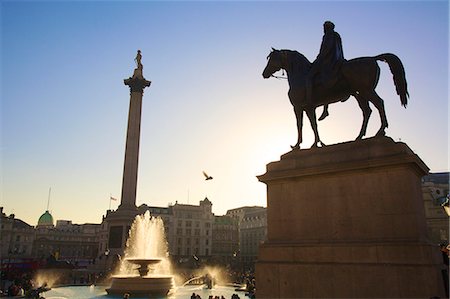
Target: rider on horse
327 65
335 81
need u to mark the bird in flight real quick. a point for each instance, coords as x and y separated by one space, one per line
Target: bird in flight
207 177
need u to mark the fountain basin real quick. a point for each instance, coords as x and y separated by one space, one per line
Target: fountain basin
98 292
144 264
138 286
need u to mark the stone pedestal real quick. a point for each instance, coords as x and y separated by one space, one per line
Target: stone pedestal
347 221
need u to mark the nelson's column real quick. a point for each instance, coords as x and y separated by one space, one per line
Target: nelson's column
117 223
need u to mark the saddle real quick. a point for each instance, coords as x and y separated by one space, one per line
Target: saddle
330 88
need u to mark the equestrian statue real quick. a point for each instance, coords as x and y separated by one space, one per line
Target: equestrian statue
331 78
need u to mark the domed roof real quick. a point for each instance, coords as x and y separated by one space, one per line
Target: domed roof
46 219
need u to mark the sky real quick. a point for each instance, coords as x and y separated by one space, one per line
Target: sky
64 105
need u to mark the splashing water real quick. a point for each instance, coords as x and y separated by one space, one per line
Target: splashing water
45 277
218 274
146 240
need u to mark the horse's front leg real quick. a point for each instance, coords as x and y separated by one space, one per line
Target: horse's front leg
311 113
299 115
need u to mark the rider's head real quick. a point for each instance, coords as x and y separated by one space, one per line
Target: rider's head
328 26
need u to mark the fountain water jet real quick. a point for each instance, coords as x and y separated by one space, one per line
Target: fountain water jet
146 247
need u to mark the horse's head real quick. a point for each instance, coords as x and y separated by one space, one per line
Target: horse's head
274 63
292 61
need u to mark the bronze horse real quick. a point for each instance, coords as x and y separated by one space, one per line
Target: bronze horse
358 78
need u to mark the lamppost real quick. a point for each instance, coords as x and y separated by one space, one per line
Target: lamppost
106 261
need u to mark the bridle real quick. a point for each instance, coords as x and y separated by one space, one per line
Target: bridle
283 57
279 77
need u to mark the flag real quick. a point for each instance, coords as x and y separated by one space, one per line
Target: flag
112 198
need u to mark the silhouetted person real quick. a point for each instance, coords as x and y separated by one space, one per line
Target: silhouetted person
444 271
327 64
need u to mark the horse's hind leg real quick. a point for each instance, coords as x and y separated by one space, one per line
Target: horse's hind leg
364 105
379 104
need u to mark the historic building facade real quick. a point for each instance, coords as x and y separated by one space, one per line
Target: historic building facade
188 229
74 243
16 237
191 231
252 227
436 185
24 247
225 240
253 232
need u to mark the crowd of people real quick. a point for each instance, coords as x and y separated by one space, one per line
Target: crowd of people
197 296
16 284
22 286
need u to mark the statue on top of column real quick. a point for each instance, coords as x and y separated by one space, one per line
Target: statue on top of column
138 59
137 82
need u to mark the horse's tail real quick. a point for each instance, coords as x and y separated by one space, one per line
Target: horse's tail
398 73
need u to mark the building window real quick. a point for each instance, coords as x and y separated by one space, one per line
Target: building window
188 223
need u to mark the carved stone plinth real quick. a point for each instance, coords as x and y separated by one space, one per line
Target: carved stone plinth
347 221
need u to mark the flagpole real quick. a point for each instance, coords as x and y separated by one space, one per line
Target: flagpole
48 200
110 198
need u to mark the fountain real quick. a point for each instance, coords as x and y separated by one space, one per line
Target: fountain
146 248
145 271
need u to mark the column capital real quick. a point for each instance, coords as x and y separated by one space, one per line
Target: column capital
137 83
